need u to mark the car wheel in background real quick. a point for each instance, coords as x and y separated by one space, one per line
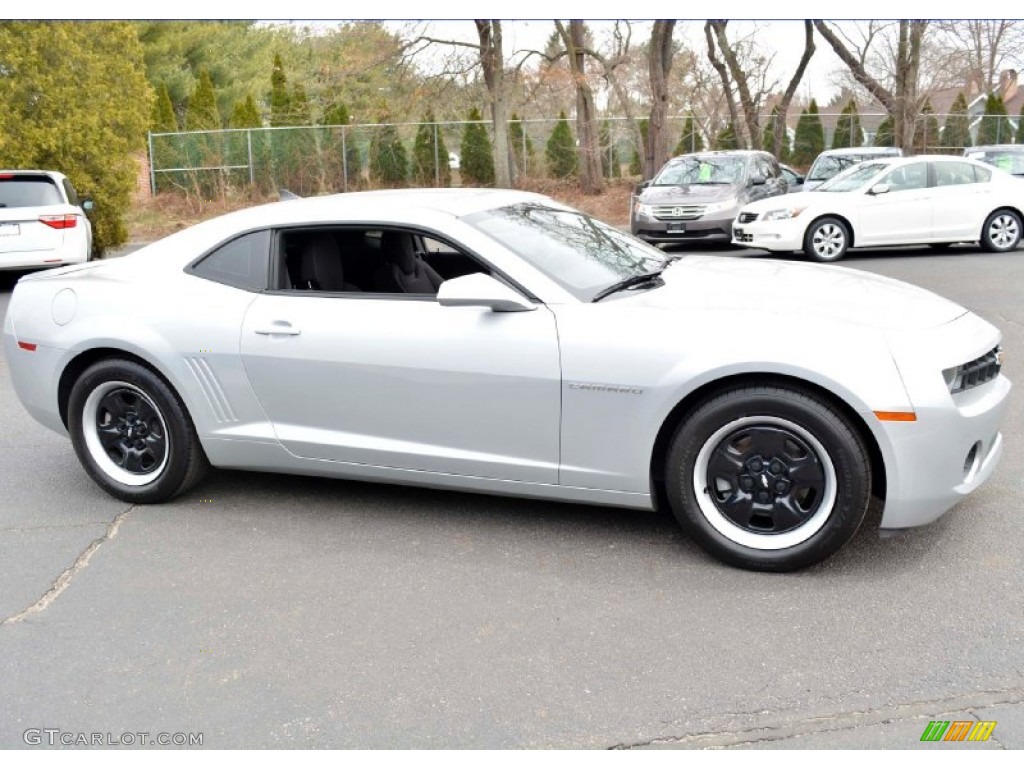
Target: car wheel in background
132 433
768 478
1002 232
826 239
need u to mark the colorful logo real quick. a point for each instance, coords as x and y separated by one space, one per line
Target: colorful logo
958 730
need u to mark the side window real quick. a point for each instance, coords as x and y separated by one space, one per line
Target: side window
372 261
907 177
69 190
952 173
241 262
982 175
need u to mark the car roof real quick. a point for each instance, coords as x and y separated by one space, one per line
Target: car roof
881 151
721 153
995 148
31 172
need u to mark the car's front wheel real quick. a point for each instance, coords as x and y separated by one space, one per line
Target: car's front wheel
1002 232
132 433
827 239
768 478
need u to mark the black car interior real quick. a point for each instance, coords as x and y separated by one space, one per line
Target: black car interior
375 261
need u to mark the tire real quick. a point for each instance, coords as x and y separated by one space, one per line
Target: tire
132 433
768 478
1001 232
827 239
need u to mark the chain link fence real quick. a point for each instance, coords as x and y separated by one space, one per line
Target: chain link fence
311 160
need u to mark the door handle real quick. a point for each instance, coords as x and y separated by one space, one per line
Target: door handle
278 328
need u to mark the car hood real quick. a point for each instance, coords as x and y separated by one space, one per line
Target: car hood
813 292
688 193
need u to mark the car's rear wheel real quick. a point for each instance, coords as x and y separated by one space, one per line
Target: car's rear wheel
132 433
768 478
1002 232
827 239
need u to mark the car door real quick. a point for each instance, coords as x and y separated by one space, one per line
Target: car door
962 198
397 380
901 215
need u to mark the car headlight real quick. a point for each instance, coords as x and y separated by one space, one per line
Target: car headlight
784 213
975 373
643 210
723 205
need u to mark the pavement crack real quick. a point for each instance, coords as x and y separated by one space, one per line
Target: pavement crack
64 580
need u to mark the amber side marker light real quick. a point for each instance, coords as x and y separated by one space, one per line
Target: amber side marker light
28 347
895 415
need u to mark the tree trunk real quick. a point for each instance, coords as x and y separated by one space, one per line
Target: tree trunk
739 77
591 179
492 60
723 75
659 65
794 82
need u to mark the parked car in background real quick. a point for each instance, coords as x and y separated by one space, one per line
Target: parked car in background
835 161
1005 157
927 199
498 341
453 161
794 179
43 222
695 197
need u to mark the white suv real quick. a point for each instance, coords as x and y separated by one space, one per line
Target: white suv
42 221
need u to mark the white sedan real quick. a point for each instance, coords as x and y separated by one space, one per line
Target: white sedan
500 342
934 200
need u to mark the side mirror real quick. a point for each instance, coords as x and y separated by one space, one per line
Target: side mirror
481 290
87 205
642 186
799 180
879 189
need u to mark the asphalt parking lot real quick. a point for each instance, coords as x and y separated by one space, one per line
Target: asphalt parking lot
273 611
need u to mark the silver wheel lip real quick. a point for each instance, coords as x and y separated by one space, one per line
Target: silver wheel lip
763 541
95 448
827 240
1003 231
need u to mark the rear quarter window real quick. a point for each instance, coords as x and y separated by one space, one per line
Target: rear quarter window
28 191
241 263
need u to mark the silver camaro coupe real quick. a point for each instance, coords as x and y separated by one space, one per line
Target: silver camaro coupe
500 342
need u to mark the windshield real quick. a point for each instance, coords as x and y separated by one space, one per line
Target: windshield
827 166
1009 160
708 169
581 254
853 179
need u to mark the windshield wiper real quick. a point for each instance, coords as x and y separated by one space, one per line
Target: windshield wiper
647 277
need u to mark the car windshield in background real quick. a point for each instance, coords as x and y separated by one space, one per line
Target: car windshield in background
579 253
1005 160
26 191
853 179
831 165
700 170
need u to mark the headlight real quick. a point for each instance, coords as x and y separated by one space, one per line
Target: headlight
784 213
724 205
643 210
974 373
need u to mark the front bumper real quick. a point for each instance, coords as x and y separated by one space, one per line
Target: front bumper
780 235
711 229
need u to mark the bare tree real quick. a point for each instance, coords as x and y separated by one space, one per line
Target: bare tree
723 75
896 89
978 50
779 129
659 65
591 180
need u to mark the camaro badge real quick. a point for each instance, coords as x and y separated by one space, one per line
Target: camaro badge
606 388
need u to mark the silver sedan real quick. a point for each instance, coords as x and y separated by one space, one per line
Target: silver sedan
500 342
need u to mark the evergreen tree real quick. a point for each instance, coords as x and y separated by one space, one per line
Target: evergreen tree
610 166
995 125
163 120
768 137
810 136
389 164
636 166
336 114
300 113
476 166
926 129
280 103
885 135
727 138
202 112
848 131
1019 138
522 147
956 133
245 114
690 140
430 163
561 150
